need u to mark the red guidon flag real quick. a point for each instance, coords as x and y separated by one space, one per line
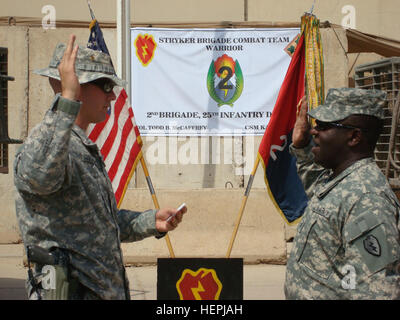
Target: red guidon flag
283 183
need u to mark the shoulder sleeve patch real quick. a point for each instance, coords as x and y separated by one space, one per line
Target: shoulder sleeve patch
368 235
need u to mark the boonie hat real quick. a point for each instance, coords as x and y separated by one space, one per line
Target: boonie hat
90 65
341 103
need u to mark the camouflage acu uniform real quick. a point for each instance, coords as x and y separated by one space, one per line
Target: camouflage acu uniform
65 200
90 65
347 244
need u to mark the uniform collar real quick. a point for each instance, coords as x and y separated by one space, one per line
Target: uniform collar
325 189
83 137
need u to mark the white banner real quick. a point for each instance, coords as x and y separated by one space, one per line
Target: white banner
196 82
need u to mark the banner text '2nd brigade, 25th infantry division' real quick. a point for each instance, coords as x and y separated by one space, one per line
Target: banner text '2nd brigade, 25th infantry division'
190 82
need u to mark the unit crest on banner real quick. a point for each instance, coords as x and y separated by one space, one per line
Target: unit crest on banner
145 46
225 80
291 47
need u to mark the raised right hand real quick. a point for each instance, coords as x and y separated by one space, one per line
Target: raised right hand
70 87
301 131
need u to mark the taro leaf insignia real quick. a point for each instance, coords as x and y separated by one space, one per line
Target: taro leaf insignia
371 244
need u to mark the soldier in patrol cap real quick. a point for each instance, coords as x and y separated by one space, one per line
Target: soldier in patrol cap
65 203
347 244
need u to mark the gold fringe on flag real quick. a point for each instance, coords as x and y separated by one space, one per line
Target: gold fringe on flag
314 61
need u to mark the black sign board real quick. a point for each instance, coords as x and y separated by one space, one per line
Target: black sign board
200 279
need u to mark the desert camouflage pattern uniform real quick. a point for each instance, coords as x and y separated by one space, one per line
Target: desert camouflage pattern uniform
347 244
65 200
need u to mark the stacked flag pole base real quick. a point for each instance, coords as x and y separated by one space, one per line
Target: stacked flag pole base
156 204
242 207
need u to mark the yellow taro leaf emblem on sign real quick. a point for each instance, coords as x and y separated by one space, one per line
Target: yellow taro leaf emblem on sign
200 285
145 47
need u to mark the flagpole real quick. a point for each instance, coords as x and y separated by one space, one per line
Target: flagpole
244 201
127 26
124 44
91 11
155 201
124 71
120 41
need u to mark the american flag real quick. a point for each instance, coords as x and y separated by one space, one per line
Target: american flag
117 137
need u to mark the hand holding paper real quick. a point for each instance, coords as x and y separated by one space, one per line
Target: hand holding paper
167 219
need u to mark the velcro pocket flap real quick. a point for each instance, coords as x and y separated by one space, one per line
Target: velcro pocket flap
362 225
368 235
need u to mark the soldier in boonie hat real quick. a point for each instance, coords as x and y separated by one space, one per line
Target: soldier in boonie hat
65 202
90 65
341 103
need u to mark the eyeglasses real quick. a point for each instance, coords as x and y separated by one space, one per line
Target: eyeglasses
322 126
104 84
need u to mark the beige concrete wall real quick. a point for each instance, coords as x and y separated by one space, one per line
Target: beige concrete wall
41 45
187 10
372 16
16 40
334 44
208 226
65 10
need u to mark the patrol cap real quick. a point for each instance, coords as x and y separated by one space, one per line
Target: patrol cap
90 65
341 103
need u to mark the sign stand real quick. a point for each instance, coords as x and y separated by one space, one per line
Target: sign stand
200 279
